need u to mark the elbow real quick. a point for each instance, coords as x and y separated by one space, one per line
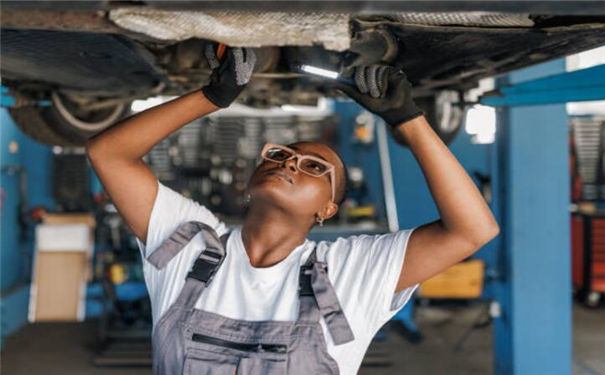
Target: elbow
101 150
492 232
98 149
486 233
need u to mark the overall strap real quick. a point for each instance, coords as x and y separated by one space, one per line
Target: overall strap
178 240
205 266
317 296
201 274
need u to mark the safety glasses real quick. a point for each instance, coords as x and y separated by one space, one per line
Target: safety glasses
308 164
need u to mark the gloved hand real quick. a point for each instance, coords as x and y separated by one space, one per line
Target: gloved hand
385 91
230 76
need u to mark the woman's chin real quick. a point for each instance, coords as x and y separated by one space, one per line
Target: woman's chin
271 194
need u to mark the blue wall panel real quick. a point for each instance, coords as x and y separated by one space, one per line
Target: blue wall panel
15 252
13 307
36 161
360 155
11 265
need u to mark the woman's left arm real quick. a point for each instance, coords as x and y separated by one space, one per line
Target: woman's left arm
466 222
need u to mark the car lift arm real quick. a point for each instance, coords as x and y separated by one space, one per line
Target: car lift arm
580 85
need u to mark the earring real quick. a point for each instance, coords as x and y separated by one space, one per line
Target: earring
320 221
247 199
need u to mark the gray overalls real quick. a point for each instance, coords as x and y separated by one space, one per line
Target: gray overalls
190 341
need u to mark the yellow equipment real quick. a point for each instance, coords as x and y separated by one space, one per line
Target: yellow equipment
462 280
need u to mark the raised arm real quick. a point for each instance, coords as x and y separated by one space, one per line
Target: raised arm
116 153
465 223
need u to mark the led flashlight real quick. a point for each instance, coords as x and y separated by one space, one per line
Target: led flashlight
319 71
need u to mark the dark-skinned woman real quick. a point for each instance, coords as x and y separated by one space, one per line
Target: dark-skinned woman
264 299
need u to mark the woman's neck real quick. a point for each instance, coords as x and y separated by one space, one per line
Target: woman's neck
269 235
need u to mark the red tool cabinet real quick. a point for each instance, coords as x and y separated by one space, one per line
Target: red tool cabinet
588 256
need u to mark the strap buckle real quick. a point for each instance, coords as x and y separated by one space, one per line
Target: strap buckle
205 269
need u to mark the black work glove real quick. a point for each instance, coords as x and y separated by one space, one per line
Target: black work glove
230 76
385 91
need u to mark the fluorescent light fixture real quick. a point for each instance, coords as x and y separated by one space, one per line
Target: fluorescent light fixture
319 71
481 123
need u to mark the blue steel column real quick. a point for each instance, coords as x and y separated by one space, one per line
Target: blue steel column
533 332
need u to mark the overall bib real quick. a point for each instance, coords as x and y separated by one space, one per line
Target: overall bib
190 341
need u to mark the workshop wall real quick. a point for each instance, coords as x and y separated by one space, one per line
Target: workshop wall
19 153
359 154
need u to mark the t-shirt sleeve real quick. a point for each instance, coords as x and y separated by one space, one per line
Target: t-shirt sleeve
171 209
366 270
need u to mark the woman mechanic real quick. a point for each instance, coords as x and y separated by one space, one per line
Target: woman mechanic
264 299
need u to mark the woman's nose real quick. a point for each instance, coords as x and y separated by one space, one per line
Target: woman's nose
291 164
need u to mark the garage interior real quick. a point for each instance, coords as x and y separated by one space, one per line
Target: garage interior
524 113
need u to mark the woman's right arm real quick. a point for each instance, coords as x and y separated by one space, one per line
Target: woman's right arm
116 155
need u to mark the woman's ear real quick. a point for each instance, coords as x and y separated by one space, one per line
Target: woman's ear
330 210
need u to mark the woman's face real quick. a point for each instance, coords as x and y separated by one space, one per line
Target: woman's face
284 185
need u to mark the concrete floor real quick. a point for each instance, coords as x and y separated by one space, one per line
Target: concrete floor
589 341
66 349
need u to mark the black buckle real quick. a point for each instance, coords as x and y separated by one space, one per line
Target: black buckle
204 269
304 281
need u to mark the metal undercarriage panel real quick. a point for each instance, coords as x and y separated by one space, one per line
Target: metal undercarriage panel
239 28
106 64
84 51
457 57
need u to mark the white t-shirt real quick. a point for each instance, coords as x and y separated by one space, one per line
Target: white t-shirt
363 270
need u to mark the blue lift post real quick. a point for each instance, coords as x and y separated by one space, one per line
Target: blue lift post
534 329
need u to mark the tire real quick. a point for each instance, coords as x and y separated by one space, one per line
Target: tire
77 125
30 121
62 123
443 114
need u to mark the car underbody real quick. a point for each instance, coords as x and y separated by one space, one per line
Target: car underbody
94 58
